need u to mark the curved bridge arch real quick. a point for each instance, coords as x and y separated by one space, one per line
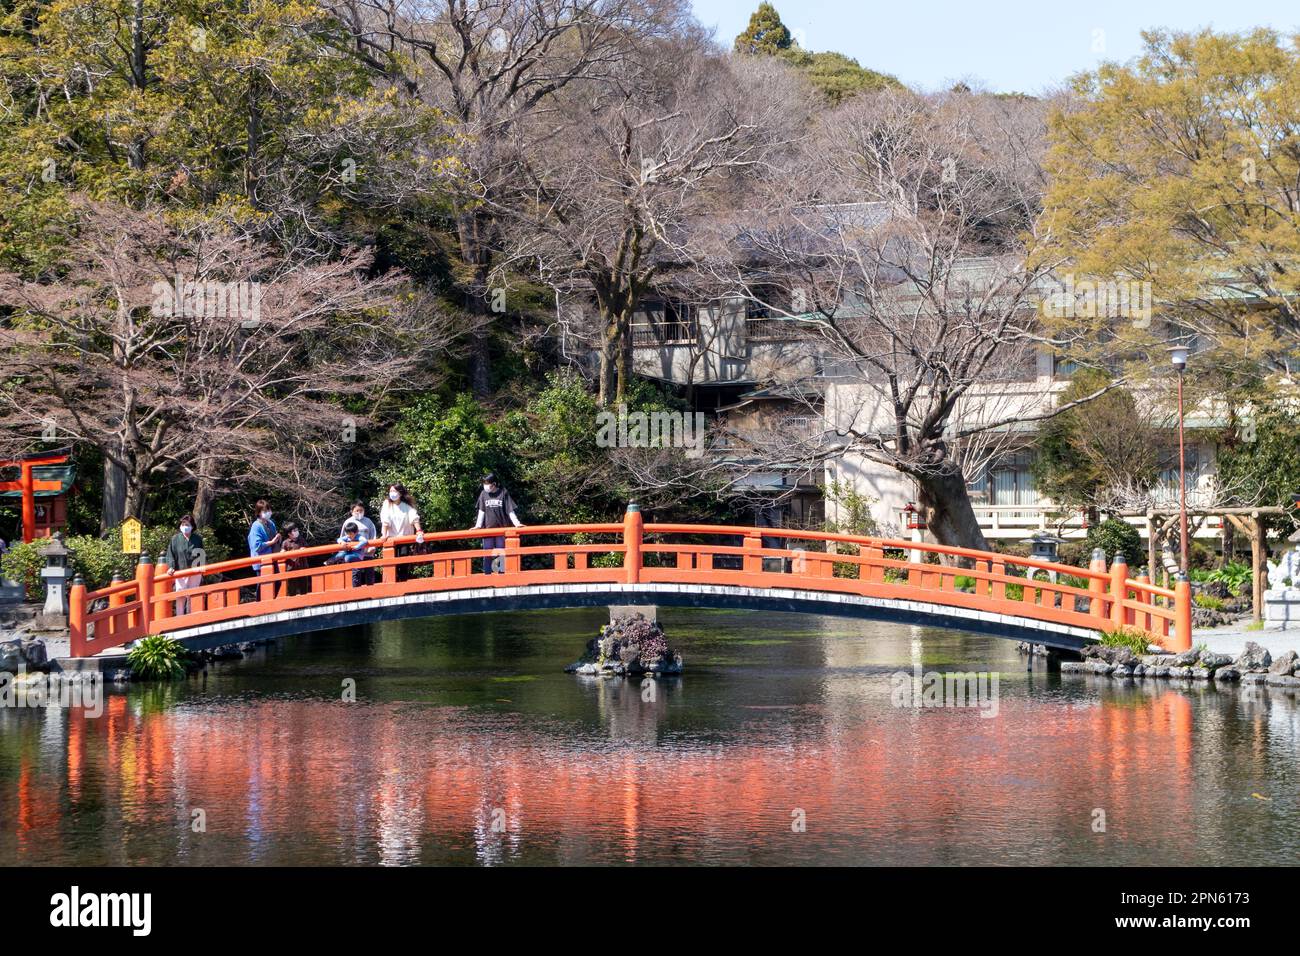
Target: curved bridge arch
592 565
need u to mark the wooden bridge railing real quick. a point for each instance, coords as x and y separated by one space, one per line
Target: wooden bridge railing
633 552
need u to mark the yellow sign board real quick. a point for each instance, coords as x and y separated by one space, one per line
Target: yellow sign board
131 535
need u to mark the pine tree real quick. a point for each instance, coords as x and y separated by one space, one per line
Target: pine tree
766 33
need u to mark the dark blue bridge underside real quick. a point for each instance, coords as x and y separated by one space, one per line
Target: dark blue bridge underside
543 601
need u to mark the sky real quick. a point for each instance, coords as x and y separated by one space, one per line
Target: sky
1023 46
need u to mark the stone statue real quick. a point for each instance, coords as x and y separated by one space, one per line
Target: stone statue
1287 567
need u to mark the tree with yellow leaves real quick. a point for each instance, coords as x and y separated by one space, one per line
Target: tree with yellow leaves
1182 170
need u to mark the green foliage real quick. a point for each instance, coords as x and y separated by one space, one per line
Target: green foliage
1234 575
1258 457
1135 640
1209 601
855 509
1114 536
765 33
547 453
1124 187
445 450
95 559
157 658
1083 449
23 563
835 75
564 474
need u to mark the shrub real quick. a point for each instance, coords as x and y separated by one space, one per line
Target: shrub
1209 601
1235 576
1115 536
854 508
157 658
23 563
1136 641
95 559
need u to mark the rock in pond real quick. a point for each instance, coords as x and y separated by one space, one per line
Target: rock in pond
626 647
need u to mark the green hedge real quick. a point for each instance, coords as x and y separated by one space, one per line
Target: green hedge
95 559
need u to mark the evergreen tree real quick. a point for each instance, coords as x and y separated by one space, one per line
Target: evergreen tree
766 33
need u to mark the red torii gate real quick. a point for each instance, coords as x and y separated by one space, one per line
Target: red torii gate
28 484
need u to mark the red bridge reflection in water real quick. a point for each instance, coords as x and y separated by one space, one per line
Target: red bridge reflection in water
308 781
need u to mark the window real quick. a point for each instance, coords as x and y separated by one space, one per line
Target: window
1008 482
1063 367
666 323
1166 492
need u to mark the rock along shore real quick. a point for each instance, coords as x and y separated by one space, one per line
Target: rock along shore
1254 665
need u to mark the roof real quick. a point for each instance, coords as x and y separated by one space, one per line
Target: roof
65 475
783 392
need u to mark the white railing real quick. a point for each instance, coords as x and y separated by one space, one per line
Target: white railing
1020 521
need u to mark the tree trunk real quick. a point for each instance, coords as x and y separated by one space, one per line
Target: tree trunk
480 362
205 499
625 359
611 352
113 510
139 78
945 503
471 231
137 488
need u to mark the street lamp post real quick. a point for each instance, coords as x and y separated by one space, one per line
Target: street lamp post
1178 355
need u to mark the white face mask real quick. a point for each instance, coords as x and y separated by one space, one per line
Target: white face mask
294 534
266 516
394 496
186 529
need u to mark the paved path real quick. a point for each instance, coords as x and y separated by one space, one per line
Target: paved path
1231 638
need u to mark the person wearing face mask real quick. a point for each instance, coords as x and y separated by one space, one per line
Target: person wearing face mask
263 538
183 552
354 550
294 540
398 517
358 514
495 508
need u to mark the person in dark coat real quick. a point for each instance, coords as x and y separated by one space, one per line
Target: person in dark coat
185 551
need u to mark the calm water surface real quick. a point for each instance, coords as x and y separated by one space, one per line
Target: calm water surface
468 745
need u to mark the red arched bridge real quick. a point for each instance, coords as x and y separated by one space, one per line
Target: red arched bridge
631 563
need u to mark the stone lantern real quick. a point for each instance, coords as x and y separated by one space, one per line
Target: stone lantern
57 576
1043 547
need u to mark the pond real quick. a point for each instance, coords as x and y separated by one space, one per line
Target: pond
783 743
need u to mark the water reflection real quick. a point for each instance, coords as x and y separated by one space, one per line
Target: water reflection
467 745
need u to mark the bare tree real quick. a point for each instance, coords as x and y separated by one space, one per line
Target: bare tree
902 248
489 65
201 354
620 179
